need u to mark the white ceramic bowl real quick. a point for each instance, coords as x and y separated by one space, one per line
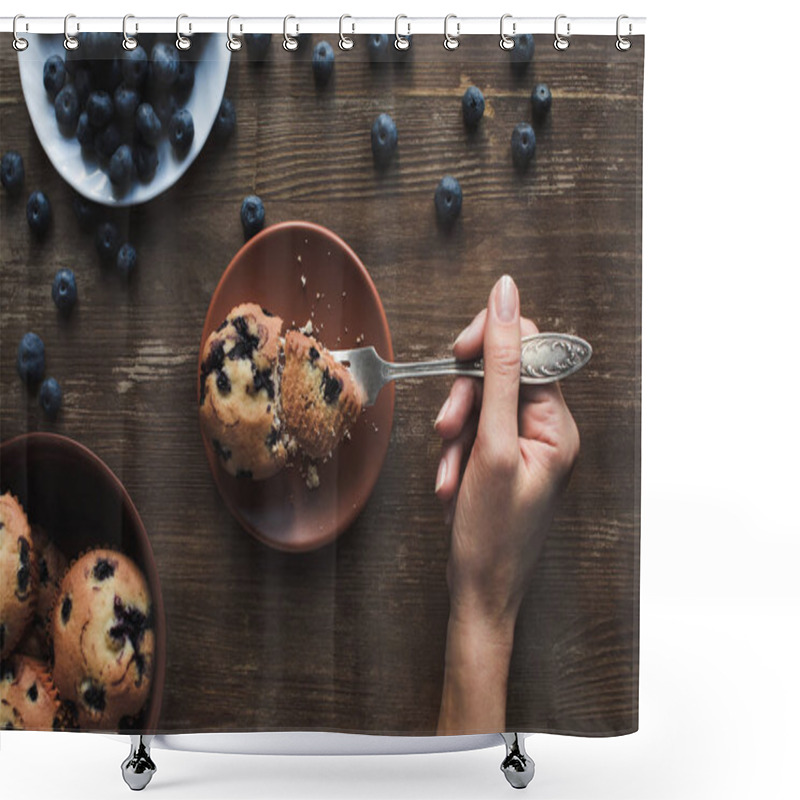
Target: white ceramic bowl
84 174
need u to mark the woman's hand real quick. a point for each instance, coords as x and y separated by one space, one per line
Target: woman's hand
519 447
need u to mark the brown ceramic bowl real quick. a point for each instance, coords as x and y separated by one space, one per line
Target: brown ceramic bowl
80 502
341 301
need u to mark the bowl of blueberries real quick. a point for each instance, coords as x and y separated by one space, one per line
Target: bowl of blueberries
122 126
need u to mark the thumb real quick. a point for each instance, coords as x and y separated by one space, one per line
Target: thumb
501 356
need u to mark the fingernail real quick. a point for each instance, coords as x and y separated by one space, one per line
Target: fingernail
441 475
505 299
442 413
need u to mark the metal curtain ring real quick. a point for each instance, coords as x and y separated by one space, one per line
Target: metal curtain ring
183 42
401 42
507 42
234 43
451 42
70 42
289 42
623 43
129 42
345 42
561 42
19 44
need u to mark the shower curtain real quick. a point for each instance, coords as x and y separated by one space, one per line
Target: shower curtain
207 523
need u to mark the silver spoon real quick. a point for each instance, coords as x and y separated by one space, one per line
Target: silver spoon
545 358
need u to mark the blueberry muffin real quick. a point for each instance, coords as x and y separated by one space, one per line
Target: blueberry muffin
51 564
240 400
321 401
18 574
28 699
103 640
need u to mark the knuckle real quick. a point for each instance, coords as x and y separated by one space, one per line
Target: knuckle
502 359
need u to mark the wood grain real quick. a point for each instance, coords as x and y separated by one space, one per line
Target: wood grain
351 637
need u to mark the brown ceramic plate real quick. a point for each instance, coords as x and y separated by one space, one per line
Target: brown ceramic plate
343 305
80 502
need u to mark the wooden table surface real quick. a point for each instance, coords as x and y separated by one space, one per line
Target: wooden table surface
351 637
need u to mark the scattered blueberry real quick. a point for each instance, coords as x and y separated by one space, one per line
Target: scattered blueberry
448 199
322 62
148 124
84 132
64 291
134 67
145 160
181 132
257 45
86 211
522 52
12 172
67 109
384 139
541 100
377 46
163 65
120 168
100 108
30 358
108 140
523 145
107 241
126 259
55 75
225 122
472 106
38 213
126 101
252 215
185 80
50 397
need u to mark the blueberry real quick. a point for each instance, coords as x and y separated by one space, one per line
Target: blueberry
126 260
38 213
165 105
84 132
523 145
64 291
108 140
252 215
522 52
30 358
384 139
163 65
106 73
55 75
377 46
322 63
86 211
448 200
134 67
50 397
107 241
148 124
100 108
126 101
225 122
181 132
99 46
185 80
257 45
541 100
472 106
83 82
67 109
120 168
12 172
145 160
